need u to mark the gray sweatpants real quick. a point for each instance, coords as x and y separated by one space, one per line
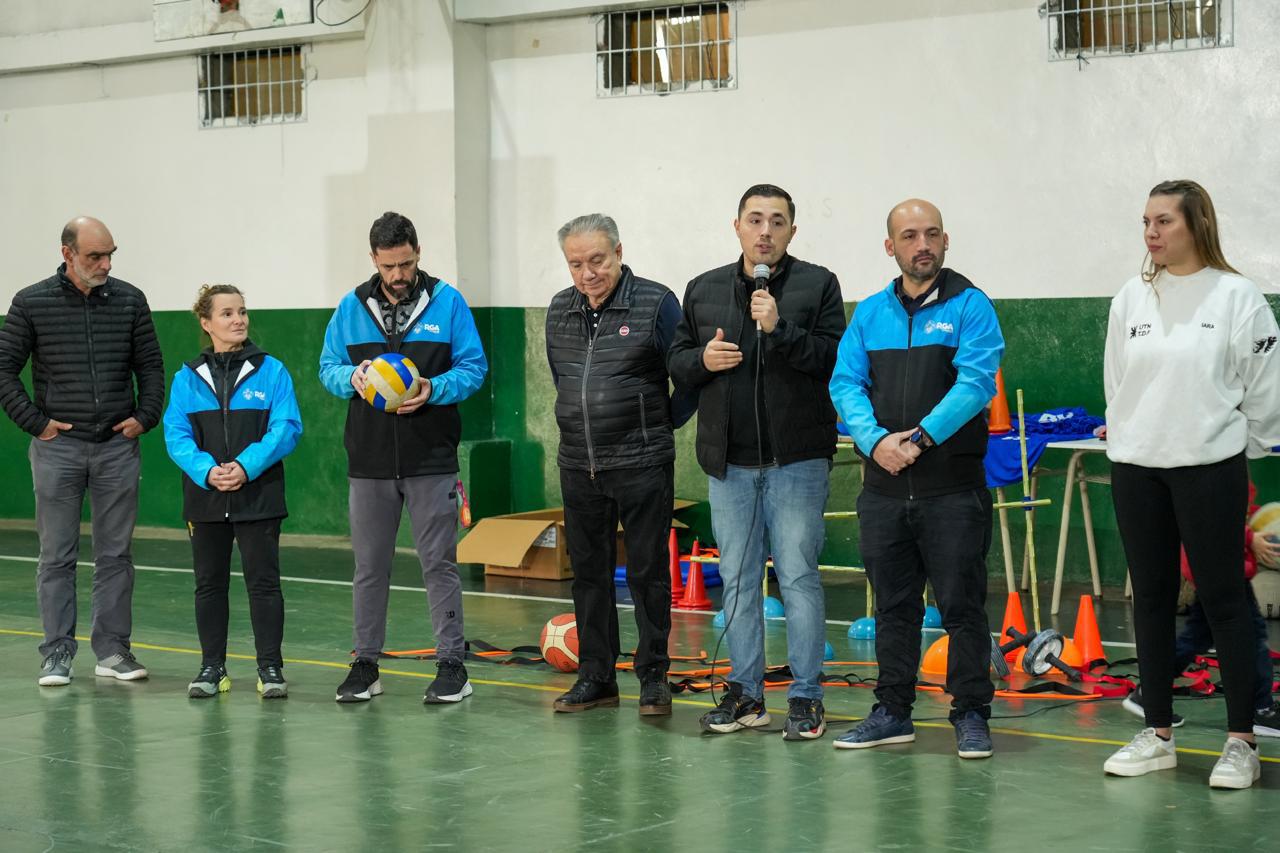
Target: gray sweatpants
375 507
63 470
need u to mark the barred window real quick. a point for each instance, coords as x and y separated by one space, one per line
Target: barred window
1084 29
686 48
248 87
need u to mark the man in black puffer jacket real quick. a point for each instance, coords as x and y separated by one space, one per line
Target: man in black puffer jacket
607 339
88 337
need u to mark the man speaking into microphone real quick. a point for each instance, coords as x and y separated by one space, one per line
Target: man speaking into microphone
758 339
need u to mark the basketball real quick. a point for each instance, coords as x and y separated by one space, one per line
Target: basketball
560 642
389 381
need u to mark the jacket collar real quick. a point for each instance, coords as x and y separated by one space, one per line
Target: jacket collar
101 291
620 298
249 352
779 272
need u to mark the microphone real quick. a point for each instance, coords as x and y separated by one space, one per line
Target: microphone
761 275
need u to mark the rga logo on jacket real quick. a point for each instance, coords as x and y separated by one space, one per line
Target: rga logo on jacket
939 326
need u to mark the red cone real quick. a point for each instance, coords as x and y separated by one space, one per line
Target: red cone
677 584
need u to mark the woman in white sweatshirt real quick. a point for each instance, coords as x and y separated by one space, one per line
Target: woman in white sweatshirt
1193 389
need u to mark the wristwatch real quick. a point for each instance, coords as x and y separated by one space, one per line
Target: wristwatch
919 437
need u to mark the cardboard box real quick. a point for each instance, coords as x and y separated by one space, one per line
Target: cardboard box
528 544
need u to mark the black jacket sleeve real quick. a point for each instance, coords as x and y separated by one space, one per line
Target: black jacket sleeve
16 341
148 366
812 352
684 401
684 358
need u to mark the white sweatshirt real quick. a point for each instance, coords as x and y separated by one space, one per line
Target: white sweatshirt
1190 372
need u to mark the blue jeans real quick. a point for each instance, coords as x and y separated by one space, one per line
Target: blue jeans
1196 638
783 505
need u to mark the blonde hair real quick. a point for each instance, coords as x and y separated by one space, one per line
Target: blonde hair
203 307
1197 209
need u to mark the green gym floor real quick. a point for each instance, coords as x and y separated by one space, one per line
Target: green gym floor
104 765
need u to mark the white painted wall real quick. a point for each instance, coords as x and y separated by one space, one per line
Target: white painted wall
283 211
490 137
1041 170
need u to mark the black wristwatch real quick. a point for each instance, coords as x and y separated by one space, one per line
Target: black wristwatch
920 438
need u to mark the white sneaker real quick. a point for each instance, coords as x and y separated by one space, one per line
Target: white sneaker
1238 767
1145 753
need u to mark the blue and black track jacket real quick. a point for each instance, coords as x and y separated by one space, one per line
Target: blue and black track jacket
935 370
442 341
237 406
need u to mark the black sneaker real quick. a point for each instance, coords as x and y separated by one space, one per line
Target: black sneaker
806 719
655 697
271 683
973 735
734 712
586 694
209 682
450 684
362 682
1266 721
1133 704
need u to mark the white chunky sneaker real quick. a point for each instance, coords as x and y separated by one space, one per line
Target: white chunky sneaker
1238 767
1145 753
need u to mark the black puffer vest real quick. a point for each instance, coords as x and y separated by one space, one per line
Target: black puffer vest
613 404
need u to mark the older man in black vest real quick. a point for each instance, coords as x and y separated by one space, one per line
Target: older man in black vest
607 339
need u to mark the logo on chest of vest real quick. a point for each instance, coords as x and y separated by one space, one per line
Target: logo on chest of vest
624 331
938 326
427 327
249 394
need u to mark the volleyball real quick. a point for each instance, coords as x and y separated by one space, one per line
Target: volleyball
389 380
560 642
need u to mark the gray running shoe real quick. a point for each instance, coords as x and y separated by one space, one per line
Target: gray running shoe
122 666
210 681
56 669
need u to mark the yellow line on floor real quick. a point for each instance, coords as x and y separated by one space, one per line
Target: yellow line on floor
549 689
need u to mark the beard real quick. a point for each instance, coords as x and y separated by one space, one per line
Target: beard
923 269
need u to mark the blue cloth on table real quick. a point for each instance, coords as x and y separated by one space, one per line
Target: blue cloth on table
1004 462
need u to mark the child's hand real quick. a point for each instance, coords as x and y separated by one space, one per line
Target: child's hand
1100 432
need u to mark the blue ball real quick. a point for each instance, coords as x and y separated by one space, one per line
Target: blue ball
932 617
773 608
863 629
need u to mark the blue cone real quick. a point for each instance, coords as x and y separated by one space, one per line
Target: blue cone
772 608
829 653
932 618
863 629
718 622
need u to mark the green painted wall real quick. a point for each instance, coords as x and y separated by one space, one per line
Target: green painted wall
1054 353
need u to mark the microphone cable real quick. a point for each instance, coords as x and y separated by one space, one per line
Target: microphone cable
755 507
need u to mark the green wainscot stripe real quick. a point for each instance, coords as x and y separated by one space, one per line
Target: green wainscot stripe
507 461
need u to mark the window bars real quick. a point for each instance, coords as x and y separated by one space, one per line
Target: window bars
249 87
1084 29
685 48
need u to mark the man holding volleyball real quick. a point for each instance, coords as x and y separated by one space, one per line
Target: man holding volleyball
405 454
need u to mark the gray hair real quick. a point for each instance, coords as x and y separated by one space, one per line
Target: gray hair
588 224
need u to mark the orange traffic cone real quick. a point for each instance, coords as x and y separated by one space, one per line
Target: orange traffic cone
1086 637
1013 618
695 593
673 554
999 421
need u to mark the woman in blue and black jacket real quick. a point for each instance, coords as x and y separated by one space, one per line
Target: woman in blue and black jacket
231 420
